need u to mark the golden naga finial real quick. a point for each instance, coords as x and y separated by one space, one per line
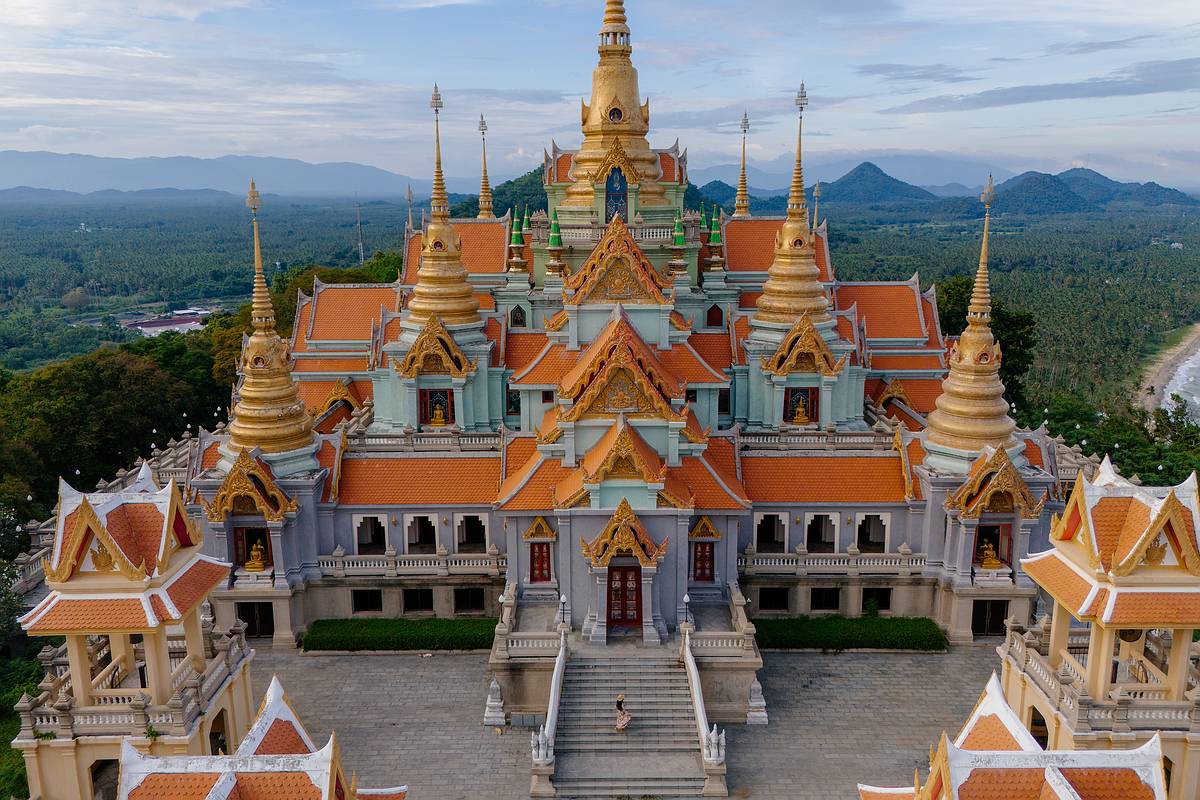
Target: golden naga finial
741 207
485 187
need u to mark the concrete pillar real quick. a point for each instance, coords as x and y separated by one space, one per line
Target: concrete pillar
1178 662
852 599
1060 630
193 634
118 645
81 669
825 411
158 666
1099 666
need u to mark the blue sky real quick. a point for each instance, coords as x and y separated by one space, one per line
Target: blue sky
1022 84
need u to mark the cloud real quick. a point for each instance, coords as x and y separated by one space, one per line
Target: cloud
1147 77
922 73
1085 48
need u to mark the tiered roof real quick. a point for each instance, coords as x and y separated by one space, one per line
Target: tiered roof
995 758
276 759
1124 555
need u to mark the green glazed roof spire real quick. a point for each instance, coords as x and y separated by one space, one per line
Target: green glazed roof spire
555 232
715 239
517 239
703 218
680 241
525 225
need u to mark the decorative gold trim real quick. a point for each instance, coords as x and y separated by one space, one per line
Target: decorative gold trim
704 529
558 321
339 393
621 388
996 476
239 483
899 446
623 536
435 353
616 157
803 349
894 391
540 530
1146 551
625 460
617 271
74 544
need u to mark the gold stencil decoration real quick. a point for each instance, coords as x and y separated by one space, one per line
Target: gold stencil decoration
435 353
340 393
617 271
894 391
102 560
995 484
540 530
623 536
1155 553
704 529
628 457
803 350
247 488
616 158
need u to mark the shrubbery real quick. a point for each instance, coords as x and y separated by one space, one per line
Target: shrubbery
840 633
400 634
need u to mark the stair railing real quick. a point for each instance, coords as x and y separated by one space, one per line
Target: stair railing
542 741
712 741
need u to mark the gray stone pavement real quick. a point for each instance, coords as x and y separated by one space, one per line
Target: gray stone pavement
836 720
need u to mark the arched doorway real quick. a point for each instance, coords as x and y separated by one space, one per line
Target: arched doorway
616 196
104 775
1038 728
218 735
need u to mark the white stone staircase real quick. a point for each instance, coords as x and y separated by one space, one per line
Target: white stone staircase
657 756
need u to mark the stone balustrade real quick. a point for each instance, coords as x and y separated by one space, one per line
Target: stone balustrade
819 440
802 562
392 564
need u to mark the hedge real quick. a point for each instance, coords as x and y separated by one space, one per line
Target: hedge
400 634
833 633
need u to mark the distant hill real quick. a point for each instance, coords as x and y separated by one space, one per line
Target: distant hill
30 196
867 183
1097 188
719 192
953 190
284 176
1040 193
915 167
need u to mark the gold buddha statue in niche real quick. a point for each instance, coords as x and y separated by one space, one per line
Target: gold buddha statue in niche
987 556
800 413
257 561
438 419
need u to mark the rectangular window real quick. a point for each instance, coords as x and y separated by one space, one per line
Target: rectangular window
800 406
703 557
539 562
876 599
417 601
512 406
993 543
252 546
872 534
724 404
547 396
437 407
691 395
468 600
821 534
472 534
826 598
774 598
366 601
370 536
422 536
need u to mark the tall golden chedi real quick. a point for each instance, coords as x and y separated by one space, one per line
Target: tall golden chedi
971 412
485 186
442 289
793 286
616 122
269 414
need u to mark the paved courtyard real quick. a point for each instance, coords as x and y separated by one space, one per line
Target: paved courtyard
835 721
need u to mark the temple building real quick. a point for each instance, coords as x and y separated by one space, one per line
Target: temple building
994 757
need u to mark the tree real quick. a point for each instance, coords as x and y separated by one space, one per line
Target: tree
1016 331
76 300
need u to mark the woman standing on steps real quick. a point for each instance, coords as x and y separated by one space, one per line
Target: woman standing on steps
623 716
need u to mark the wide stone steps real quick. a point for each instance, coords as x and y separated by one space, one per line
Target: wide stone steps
670 776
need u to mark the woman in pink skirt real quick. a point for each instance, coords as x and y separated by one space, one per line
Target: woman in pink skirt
623 716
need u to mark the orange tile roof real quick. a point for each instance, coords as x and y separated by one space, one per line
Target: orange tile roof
594 458
667 163
845 327
137 528
934 324
881 361
281 739
486 301
916 455
750 246
990 733
406 481
1003 784
181 786
708 491
721 456
1054 575
1033 453
520 349
1155 610
714 348
276 786
483 245
327 458
891 310
619 335
345 313
822 261
314 393
300 329
906 419
749 300
520 450
1107 784
828 479
536 492
686 364
339 365
548 369
1117 523
923 392
190 588
562 168
212 454
869 793
74 616
741 330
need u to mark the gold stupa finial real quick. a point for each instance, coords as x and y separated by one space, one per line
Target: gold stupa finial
816 215
741 208
971 412
485 188
793 286
442 289
614 12
408 195
269 413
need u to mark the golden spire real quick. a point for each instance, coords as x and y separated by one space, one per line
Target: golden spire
268 413
485 188
793 286
442 289
741 207
971 412
816 220
408 195
614 12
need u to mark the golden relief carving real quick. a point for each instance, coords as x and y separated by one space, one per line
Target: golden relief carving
616 158
704 529
623 536
1168 528
558 321
622 388
249 488
340 393
102 560
995 485
435 353
624 461
616 271
622 347
894 391
803 350
75 543
539 530
898 445
1155 554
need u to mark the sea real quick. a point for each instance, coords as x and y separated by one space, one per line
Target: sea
1186 383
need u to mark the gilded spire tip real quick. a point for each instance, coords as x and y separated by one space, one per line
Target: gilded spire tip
439 203
980 310
742 204
485 186
797 201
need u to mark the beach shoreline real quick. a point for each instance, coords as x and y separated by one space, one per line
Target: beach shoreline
1164 366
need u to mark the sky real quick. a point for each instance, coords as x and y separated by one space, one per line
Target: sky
1026 84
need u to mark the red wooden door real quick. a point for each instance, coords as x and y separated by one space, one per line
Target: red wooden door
539 561
702 562
624 596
